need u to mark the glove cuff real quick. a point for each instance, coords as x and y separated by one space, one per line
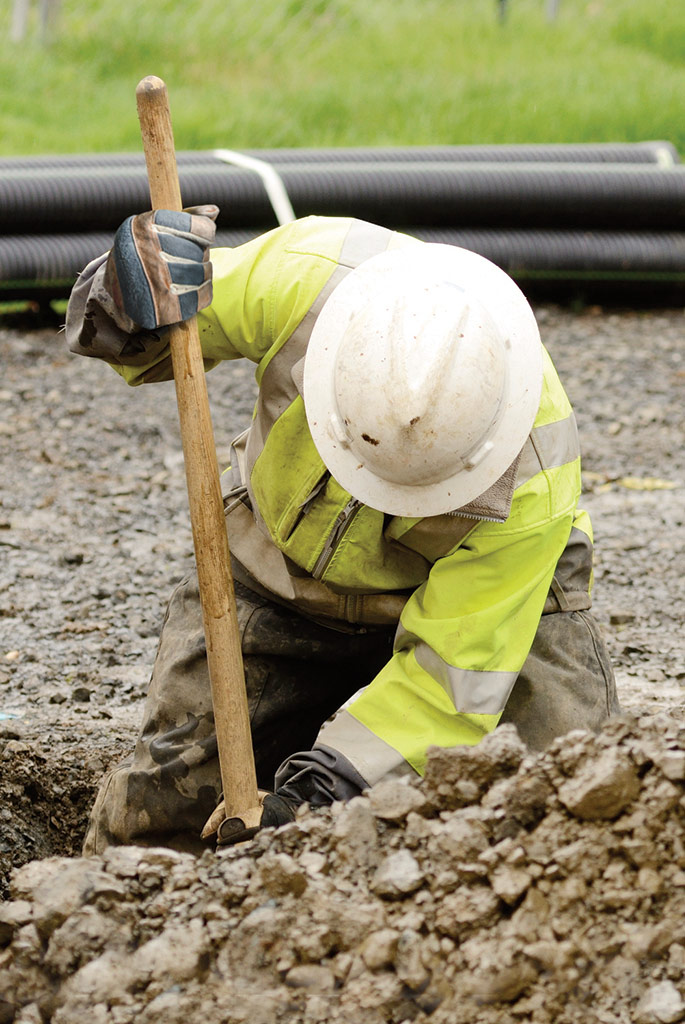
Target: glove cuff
278 810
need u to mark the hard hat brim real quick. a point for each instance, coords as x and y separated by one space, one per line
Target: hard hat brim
513 317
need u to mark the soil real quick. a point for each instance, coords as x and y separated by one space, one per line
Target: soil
505 887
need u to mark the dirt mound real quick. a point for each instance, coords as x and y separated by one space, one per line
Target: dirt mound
506 886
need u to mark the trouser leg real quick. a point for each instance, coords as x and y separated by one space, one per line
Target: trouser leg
297 673
566 683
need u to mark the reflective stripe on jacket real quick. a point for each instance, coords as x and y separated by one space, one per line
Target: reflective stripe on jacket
471 585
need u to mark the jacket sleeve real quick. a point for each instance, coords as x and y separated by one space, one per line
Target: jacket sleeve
462 640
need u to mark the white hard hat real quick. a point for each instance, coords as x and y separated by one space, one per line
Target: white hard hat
422 379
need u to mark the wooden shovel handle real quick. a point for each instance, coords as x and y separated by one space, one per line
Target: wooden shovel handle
217 595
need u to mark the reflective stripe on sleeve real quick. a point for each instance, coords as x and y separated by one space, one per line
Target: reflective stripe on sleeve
371 756
473 692
548 447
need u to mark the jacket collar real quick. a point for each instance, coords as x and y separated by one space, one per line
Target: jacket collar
495 503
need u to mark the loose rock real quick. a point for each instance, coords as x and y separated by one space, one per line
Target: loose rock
662 1004
602 788
397 876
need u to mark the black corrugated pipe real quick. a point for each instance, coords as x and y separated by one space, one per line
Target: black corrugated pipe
561 260
654 152
569 252
61 257
519 210
397 195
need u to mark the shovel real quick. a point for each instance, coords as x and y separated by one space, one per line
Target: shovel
217 596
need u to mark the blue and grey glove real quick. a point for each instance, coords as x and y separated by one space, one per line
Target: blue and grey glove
158 272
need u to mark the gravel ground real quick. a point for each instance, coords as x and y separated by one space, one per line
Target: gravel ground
94 533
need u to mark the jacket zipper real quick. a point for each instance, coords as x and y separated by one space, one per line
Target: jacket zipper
340 527
480 519
344 521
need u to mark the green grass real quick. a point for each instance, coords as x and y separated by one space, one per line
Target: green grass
261 73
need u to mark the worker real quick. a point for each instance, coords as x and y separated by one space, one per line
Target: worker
411 566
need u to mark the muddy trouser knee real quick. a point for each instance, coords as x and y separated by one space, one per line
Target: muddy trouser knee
297 673
566 683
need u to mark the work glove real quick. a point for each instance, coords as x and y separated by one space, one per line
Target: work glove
158 272
316 777
276 811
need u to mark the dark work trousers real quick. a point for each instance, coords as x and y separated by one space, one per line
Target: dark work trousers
298 672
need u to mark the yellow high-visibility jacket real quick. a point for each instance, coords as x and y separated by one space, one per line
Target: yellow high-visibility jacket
471 586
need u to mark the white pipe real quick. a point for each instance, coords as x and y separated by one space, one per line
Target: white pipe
20 20
271 179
